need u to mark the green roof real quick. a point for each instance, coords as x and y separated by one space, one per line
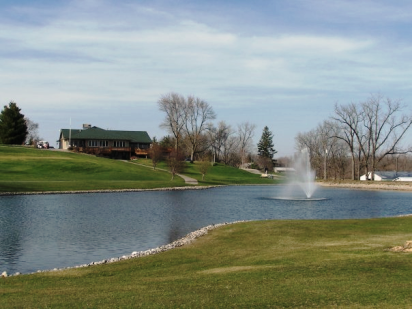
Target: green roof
101 134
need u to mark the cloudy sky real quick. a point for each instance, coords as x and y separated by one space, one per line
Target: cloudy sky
280 63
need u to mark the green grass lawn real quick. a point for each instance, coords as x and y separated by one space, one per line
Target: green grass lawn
276 264
219 174
25 169
29 169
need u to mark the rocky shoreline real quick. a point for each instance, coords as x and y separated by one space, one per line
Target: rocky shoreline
136 254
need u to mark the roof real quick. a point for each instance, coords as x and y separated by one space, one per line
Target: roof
101 134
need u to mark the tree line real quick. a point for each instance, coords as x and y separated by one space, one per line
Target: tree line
358 137
189 121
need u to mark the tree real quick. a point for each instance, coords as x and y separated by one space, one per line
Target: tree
350 119
32 131
218 137
246 132
155 153
174 105
198 112
175 163
384 128
265 145
204 166
13 127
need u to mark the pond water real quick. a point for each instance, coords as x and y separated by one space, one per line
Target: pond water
39 232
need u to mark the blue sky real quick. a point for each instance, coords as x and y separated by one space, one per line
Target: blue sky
283 64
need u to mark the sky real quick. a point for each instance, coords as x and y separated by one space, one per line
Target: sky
282 63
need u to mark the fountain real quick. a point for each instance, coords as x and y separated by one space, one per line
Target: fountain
301 183
305 176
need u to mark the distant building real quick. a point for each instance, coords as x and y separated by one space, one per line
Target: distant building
388 176
284 170
112 143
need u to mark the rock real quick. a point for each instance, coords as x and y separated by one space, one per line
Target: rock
408 244
4 274
407 247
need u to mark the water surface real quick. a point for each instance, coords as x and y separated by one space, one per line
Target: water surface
40 232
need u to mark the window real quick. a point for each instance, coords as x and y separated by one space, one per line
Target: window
92 143
104 143
119 144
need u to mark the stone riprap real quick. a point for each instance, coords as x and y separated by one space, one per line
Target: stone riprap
136 254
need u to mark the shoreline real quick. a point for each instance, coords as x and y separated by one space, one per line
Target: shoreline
109 191
364 185
185 240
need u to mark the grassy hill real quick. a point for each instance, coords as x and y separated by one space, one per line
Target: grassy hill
29 169
33 170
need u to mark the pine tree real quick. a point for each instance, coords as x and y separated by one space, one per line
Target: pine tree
13 127
265 145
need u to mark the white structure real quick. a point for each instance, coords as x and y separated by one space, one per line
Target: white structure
403 179
389 176
284 170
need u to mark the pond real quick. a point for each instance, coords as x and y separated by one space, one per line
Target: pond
39 232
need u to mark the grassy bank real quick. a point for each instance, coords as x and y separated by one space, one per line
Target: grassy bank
219 174
336 263
29 169
36 170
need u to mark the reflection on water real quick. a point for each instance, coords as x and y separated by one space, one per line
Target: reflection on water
55 231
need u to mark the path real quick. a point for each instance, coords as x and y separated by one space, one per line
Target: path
188 180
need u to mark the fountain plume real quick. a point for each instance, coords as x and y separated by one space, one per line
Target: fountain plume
305 176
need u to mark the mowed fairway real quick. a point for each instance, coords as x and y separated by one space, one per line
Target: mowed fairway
274 264
33 170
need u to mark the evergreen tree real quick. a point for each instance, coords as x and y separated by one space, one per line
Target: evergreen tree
13 127
265 145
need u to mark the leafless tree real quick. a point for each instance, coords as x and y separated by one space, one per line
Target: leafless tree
245 131
174 105
155 154
175 163
384 128
325 151
32 131
350 119
198 114
218 138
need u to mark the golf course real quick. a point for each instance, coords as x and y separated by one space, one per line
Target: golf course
256 264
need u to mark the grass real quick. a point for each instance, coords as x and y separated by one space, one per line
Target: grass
25 169
33 170
219 174
278 264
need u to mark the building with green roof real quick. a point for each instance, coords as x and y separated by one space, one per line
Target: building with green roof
112 143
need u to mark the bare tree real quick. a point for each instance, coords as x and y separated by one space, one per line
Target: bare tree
350 119
198 114
245 132
218 138
384 128
155 153
174 105
175 163
32 131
